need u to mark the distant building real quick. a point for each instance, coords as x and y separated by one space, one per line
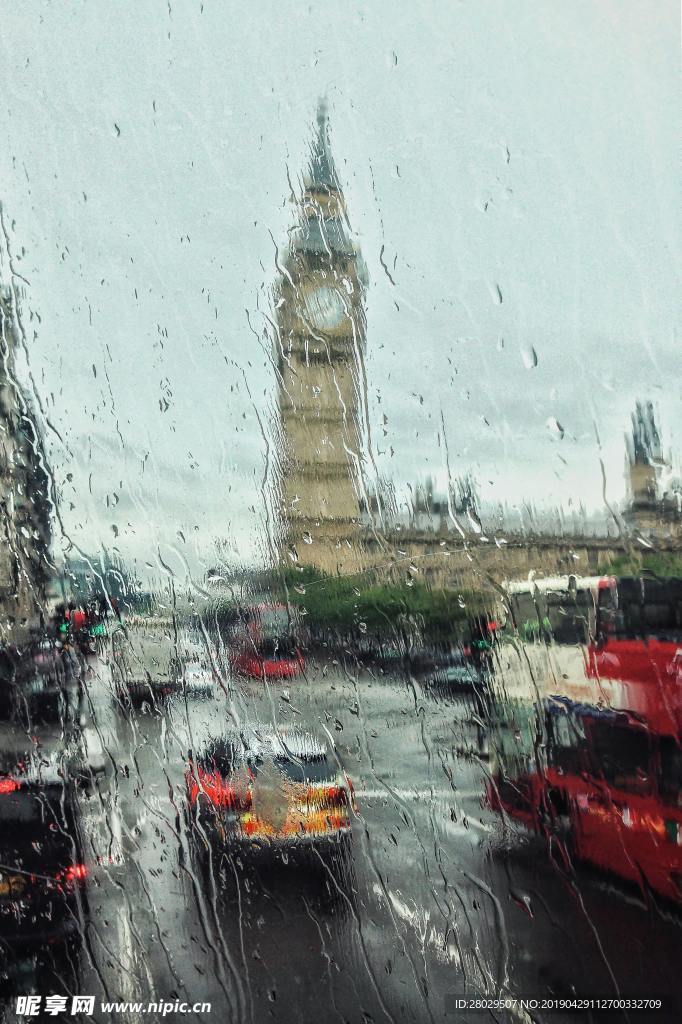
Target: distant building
24 495
319 353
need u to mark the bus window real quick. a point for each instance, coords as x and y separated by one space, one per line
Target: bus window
621 756
565 743
568 616
640 609
610 619
557 616
525 614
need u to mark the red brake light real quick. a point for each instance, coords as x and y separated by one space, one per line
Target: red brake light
74 873
9 785
218 791
335 796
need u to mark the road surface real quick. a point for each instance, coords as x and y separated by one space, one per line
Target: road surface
444 898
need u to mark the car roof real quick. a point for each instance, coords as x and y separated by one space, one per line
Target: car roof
543 584
285 742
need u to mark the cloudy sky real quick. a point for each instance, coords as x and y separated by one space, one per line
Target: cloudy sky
514 165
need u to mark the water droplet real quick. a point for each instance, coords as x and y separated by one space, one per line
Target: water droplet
496 294
529 356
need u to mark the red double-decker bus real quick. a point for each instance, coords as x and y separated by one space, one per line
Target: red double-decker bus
638 630
606 776
610 789
263 644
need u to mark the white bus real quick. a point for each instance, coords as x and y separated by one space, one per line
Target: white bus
554 609
544 644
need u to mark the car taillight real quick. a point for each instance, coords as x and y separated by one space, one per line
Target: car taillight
218 791
332 796
335 796
73 874
9 785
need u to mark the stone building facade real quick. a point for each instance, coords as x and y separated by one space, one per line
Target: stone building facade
24 495
320 358
653 511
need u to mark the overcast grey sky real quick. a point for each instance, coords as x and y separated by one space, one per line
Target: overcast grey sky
493 149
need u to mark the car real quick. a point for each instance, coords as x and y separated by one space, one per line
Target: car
197 676
143 669
270 792
42 869
260 664
458 675
72 748
40 682
196 665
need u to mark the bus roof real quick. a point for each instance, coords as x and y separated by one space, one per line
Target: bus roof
550 583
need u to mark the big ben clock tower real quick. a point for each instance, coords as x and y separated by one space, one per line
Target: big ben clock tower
320 352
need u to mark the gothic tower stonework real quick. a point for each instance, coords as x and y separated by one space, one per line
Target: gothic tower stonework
320 351
652 510
24 501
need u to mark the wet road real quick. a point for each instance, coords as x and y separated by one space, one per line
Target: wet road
444 898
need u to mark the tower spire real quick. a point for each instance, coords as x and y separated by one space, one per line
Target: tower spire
321 169
324 223
322 112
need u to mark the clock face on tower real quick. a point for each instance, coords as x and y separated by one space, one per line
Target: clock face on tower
325 307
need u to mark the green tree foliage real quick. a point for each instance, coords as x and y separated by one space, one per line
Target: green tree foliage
353 602
656 562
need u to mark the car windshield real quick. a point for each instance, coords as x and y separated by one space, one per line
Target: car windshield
306 769
295 762
277 647
27 807
36 828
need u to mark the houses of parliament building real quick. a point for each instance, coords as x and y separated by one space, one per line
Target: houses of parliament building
327 518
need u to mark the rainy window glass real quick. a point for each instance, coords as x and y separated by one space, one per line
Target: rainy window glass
340 512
